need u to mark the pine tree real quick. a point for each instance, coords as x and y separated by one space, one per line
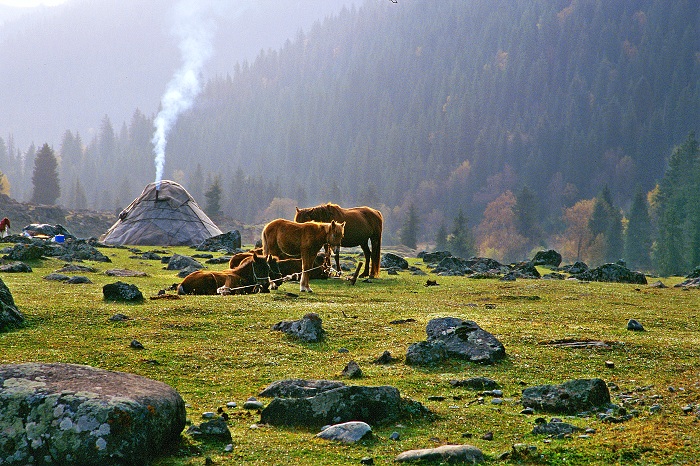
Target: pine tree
526 217
45 177
676 218
460 241
638 237
441 238
213 198
408 235
606 224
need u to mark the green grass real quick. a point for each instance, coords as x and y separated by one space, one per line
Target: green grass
215 349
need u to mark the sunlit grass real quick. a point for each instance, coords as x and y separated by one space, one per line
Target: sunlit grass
218 349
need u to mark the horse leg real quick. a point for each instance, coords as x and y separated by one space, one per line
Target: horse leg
376 255
307 262
365 249
337 259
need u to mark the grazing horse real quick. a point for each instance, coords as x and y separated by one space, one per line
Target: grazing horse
362 225
252 275
283 238
4 227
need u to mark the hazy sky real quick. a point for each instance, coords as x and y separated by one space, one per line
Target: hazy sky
30 3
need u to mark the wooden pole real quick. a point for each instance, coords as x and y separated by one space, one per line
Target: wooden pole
357 272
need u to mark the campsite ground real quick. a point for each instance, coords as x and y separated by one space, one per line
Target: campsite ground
216 349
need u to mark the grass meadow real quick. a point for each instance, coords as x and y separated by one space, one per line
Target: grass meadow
217 349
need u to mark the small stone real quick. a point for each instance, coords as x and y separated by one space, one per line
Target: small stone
436 398
395 436
135 344
467 435
590 430
497 401
687 409
584 436
343 350
609 364
527 411
352 371
487 436
252 403
119 317
208 415
228 448
634 326
654 409
231 404
367 460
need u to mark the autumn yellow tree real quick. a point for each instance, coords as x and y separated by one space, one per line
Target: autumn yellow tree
497 234
577 243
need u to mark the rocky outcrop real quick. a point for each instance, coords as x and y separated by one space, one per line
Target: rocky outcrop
230 242
10 317
614 273
549 258
373 405
78 415
571 397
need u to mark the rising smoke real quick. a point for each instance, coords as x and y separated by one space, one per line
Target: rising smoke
194 25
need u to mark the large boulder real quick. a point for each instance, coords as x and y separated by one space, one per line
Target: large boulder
464 339
615 273
120 291
299 388
10 317
450 454
25 252
180 262
549 258
230 242
78 415
373 405
571 397
393 261
309 328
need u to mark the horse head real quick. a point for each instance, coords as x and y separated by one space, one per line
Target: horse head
335 233
261 269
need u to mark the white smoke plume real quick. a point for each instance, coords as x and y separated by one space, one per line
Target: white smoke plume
194 27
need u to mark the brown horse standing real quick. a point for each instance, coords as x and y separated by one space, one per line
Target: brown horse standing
284 238
363 225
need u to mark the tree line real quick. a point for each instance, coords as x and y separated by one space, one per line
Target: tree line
533 123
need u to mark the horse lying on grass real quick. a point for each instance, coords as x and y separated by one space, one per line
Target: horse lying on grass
251 276
283 238
288 266
363 225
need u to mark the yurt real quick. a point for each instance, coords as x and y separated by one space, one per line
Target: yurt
168 216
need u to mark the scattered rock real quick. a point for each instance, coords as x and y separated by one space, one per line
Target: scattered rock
575 268
452 454
10 317
385 358
25 252
230 242
120 291
299 388
426 353
658 284
634 326
119 318
15 267
393 261
475 383
434 257
78 280
57 277
614 273
352 371
373 405
308 328
464 339
80 415
124 273
568 398
347 432
252 404
72 268
555 428
179 262
135 344
215 428
549 257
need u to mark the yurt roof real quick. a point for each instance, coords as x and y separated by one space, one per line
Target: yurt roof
165 217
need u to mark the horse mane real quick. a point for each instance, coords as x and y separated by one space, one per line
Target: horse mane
323 212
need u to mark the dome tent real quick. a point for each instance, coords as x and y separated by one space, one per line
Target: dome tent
165 217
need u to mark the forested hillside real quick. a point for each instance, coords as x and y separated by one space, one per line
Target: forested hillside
449 104
503 112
